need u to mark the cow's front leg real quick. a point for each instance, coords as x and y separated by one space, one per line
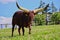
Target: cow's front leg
23 30
19 30
29 29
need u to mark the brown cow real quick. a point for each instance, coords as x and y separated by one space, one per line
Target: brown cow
24 18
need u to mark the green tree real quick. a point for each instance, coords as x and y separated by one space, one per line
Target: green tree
54 9
39 19
55 18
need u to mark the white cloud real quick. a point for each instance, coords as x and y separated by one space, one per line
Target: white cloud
6 1
5 20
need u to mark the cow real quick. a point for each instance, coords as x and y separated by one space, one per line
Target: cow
24 18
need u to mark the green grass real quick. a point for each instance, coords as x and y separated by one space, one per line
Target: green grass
49 32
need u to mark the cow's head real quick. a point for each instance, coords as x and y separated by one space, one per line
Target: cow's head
33 12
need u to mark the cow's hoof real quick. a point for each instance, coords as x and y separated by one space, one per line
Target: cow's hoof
19 34
12 36
29 33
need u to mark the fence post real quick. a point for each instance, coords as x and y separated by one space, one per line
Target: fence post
1 26
6 25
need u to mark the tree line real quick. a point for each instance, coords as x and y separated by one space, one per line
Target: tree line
53 19
49 16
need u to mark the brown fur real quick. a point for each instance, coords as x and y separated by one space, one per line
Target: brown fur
22 19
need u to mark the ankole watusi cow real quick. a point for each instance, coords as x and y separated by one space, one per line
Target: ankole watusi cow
24 18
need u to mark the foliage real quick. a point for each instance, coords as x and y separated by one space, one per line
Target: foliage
55 18
53 8
39 19
49 32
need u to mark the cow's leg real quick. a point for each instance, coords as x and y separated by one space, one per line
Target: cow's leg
19 30
29 29
23 30
13 29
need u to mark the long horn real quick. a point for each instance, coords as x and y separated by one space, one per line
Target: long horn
41 9
21 8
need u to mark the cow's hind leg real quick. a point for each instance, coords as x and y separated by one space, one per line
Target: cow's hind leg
13 29
19 30
23 30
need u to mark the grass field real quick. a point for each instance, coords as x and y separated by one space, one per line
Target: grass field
49 32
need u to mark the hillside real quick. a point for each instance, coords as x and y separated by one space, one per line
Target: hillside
49 32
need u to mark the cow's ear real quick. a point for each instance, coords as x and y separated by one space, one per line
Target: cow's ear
33 12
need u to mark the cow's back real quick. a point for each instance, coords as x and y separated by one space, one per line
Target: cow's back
20 18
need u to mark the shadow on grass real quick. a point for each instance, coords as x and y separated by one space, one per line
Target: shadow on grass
8 36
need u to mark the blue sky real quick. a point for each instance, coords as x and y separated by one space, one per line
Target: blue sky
8 7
